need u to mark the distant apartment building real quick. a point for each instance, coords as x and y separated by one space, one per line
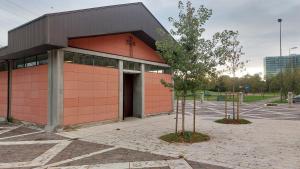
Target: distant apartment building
274 64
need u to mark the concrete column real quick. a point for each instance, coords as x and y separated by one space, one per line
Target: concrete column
9 88
290 99
55 89
241 99
121 90
143 90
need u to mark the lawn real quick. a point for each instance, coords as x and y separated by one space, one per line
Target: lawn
215 96
279 101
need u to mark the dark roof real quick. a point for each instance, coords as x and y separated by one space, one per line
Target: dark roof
53 30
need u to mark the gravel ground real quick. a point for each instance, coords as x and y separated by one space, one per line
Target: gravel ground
264 144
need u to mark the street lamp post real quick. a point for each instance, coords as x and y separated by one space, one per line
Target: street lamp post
295 47
281 78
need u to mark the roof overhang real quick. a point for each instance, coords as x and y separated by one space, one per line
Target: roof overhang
53 31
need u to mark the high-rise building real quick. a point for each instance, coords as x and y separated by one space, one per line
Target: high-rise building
274 64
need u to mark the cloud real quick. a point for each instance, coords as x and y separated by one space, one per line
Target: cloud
256 20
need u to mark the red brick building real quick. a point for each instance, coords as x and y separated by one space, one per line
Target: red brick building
84 66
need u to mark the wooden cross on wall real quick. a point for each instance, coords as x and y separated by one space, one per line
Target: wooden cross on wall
131 43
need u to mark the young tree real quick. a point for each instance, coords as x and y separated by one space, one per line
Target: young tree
191 57
233 62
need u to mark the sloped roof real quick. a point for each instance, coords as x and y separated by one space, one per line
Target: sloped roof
53 30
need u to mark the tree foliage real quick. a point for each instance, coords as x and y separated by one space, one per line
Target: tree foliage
192 57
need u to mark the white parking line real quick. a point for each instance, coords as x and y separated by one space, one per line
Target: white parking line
173 164
3 138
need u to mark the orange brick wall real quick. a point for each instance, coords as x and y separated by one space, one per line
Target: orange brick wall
117 44
3 94
158 98
30 94
90 93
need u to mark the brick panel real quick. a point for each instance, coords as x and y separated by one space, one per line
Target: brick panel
3 93
158 98
90 94
30 94
117 44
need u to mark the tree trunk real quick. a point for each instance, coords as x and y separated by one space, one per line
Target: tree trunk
183 111
177 105
194 115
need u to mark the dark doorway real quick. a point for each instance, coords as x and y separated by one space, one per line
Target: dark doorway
128 95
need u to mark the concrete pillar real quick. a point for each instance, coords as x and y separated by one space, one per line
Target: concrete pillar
241 97
55 89
143 90
290 99
121 90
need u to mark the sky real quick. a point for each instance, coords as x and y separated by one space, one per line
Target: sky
256 21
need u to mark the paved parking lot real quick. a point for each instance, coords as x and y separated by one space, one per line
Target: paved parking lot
248 110
271 141
25 148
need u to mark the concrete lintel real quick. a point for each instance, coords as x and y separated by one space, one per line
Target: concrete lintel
131 71
55 89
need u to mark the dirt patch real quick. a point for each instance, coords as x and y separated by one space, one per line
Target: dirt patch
186 137
231 121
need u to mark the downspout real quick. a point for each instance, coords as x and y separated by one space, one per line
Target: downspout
9 73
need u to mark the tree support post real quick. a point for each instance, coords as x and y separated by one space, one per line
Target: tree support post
194 115
238 107
233 106
226 114
183 111
177 106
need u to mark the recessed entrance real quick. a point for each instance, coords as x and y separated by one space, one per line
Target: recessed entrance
132 95
128 95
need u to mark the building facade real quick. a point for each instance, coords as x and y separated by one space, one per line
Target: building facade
275 64
84 66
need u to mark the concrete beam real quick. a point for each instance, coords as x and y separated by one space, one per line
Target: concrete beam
55 89
121 90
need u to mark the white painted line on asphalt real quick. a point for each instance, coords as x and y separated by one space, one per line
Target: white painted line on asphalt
148 164
8 129
258 108
42 159
173 164
78 158
17 164
3 138
31 142
52 152
179 164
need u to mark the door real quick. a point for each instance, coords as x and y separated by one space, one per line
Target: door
128 96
